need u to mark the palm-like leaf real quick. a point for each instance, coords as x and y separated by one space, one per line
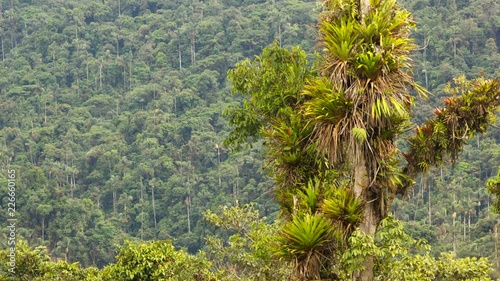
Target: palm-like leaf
371 81
310 195
340 40
345 209
369 64
305 234
304 240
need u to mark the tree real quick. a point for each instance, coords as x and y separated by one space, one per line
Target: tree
43 210
345 115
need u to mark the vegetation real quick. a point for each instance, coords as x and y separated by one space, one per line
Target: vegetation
346 118
112 119
246 255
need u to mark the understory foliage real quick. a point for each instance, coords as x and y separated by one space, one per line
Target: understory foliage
158 260
246 249
111 113
36 265
243 250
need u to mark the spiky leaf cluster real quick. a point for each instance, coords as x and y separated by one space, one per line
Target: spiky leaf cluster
304 240
322 218
344 209
469 109
363 101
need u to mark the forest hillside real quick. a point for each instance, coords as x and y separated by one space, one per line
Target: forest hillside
112 117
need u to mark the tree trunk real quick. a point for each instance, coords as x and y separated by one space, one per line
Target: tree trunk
130 71
465 228
371 214
12 26
364 7
43 228
179 49
142 211
429 201
153 202
100 75
193 46
114 200
188 206
218 165
72 185
497 263
454 234
87 66
3 52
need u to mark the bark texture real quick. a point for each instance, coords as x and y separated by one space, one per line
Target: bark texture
364 7
371 214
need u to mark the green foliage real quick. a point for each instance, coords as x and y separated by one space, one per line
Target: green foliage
310 196
303 235
247 253
112 113
112 117
493 186
272 82
400 257
35 264
361 101
303 240
157 261
447 267
470 110
361 246
344 208
272 86
450 268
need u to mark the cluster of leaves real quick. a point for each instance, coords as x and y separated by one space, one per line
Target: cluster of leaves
136 261
400 257
104 101
35 264
250 253
244 248
319 228
289 156
361 101
470 110
157 260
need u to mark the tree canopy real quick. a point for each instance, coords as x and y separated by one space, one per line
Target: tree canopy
112 117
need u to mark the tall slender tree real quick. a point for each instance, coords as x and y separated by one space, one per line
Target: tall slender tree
345 115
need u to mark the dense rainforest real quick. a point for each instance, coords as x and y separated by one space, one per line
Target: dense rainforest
112 118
